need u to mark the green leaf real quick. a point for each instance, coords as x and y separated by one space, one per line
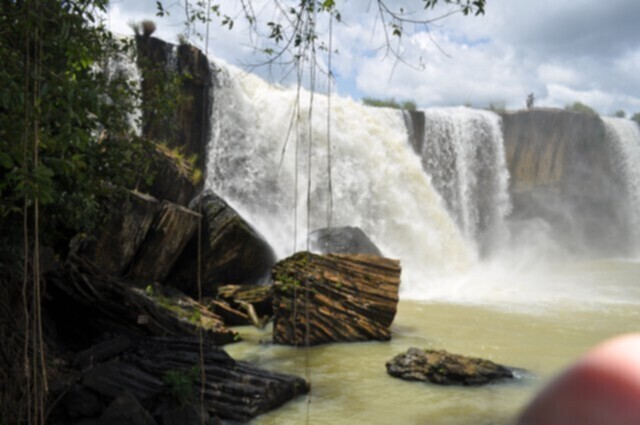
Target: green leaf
5 160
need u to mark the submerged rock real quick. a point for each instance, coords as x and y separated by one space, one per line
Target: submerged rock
332 298
443 368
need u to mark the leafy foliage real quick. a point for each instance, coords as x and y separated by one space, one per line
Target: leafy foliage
408 105
66 115
292 35
636 117
581 108
182 384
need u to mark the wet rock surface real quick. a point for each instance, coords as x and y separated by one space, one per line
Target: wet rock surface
443 368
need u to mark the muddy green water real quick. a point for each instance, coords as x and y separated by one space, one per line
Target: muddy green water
537 321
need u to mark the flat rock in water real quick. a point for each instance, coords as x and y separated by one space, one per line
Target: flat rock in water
443 368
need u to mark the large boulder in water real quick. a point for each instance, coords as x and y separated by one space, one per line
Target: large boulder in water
343 240
443 368
334 298
231 251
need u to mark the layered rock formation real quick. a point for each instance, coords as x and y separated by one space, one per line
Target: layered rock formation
334 298
158 380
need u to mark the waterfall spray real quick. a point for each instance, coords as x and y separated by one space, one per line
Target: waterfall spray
378 181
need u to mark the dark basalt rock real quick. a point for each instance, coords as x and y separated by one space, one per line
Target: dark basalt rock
138 381
245 297
126 410
116 243
343 240
443 368
167 237
232 251
233 390
563 170
90 303
159 62
115 378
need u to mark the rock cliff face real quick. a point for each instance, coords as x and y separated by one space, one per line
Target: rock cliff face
562 171
184 123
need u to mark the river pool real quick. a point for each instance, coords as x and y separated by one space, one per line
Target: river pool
540 321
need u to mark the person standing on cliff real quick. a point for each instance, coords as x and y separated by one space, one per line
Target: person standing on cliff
530 100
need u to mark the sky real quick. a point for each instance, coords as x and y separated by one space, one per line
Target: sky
563 51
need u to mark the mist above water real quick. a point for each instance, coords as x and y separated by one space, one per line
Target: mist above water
435 204
378 183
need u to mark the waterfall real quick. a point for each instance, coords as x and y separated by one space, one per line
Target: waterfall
462 150
624 138
122 65
378 181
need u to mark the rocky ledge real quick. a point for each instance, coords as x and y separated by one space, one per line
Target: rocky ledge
443 368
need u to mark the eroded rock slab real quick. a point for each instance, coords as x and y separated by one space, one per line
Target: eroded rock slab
233 390
443 368
232 251
344 297
91 303
164 243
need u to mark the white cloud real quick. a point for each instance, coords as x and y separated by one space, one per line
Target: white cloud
587 50
552 73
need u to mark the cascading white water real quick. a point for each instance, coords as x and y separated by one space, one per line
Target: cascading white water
624 137
463 151
378 181
124 66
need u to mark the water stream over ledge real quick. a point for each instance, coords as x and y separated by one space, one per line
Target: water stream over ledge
350 384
